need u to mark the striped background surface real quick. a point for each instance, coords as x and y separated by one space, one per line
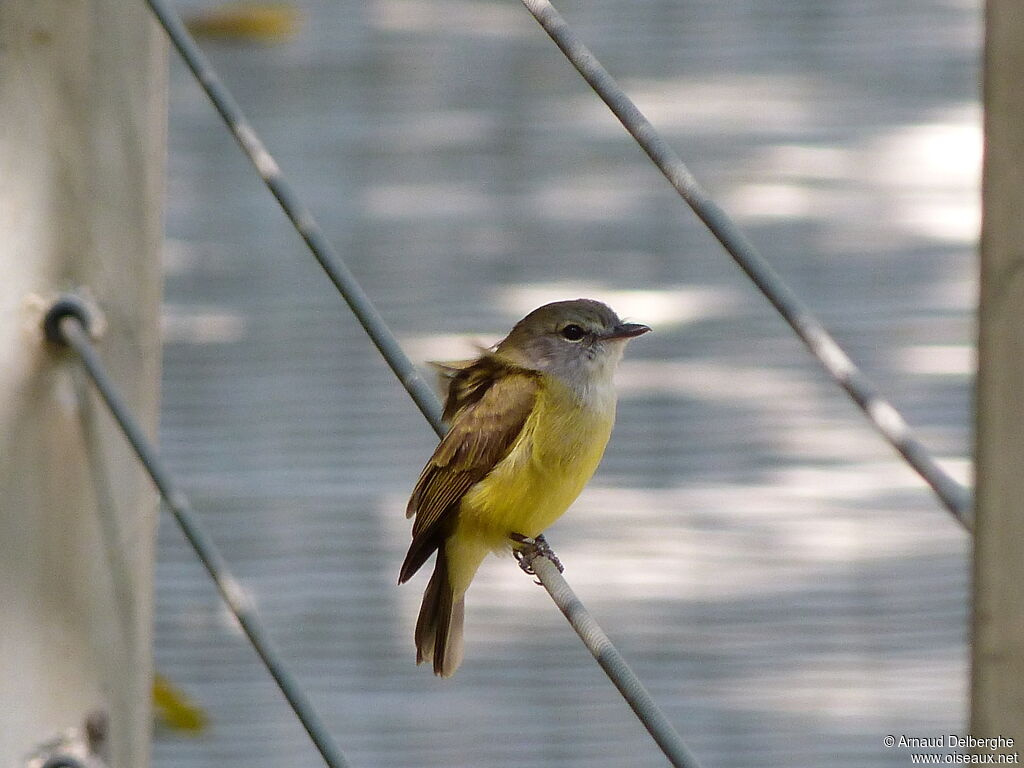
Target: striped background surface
789 592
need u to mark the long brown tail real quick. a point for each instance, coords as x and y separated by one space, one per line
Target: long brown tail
439 627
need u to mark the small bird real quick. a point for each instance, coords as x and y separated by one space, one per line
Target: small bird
529 420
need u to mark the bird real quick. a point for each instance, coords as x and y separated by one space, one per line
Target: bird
528 420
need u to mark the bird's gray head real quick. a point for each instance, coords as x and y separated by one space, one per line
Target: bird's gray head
578 341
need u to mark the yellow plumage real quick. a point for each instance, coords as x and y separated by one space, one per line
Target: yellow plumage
553 458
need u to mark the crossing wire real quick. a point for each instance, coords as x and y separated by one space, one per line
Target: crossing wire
624 679
609 658
882 415
66 323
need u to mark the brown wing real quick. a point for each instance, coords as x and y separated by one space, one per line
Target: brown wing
488 404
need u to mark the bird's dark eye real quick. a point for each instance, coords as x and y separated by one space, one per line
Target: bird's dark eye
573 332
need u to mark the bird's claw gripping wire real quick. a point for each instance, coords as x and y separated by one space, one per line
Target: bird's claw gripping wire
525 550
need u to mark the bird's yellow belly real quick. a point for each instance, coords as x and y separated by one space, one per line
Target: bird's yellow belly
556 454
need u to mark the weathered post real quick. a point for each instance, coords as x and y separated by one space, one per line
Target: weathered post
998 633
82 142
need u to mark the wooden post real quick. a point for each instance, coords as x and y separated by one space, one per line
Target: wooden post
998 632
82 142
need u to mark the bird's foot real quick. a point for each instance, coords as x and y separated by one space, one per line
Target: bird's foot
525 550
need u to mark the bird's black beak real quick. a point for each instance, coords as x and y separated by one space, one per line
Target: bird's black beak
625 331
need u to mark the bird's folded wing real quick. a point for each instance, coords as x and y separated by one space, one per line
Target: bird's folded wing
489 419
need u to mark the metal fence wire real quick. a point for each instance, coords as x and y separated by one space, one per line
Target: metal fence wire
68 325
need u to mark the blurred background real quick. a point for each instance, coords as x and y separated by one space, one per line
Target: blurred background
787 589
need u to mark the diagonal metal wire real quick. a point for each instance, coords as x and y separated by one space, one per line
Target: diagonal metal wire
614 665
880 412
624 679
300 215
66 324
